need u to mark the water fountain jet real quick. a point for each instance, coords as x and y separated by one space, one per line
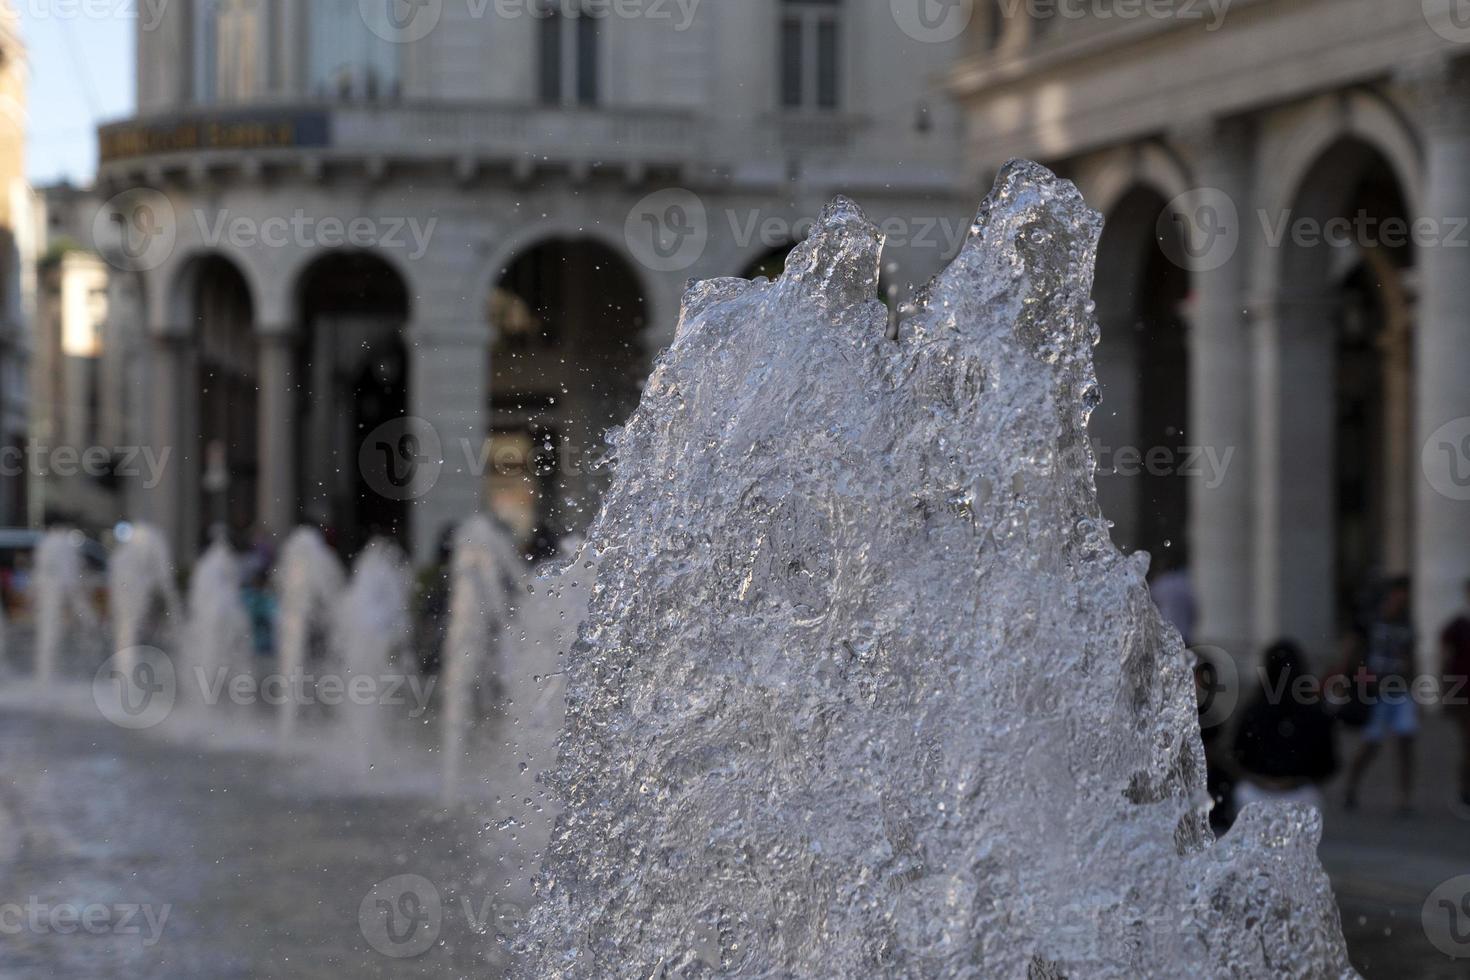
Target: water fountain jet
487 581
140 588
864 688
371 630
61 598
308 580
218 643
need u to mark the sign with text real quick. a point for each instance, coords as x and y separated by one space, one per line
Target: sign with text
218 131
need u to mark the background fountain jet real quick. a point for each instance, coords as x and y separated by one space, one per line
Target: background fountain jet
865 688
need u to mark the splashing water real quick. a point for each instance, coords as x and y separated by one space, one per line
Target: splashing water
308 579
487 581
531 668
140 585
217 637
61 598
865 688
370 637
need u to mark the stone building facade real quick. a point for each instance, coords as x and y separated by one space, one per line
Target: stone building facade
1284 284
18 235
89 400
392 270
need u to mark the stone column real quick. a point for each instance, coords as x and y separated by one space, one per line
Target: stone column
1219 344
167 442
1442 363
276 505
1400 465
1294 349
449 360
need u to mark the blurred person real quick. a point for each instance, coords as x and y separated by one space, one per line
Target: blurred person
1454 645
260 606
1390 667
1219 766
260 554
1284 748
1350 688
1173 592
433 590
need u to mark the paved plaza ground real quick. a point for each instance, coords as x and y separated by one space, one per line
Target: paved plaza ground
265 873
1384 866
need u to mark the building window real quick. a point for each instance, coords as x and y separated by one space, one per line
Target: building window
350 58
811 54
569 58
229 50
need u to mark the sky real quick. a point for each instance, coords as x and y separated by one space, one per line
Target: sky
81 73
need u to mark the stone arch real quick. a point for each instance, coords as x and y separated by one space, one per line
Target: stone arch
1105 178
171 297
1291 149
296 273
1337 457
569 317
527 237
352 307
1142 371
211 312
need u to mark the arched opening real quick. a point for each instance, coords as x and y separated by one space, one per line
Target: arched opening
1139 429
1345 460
228 387
567 364
354 373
